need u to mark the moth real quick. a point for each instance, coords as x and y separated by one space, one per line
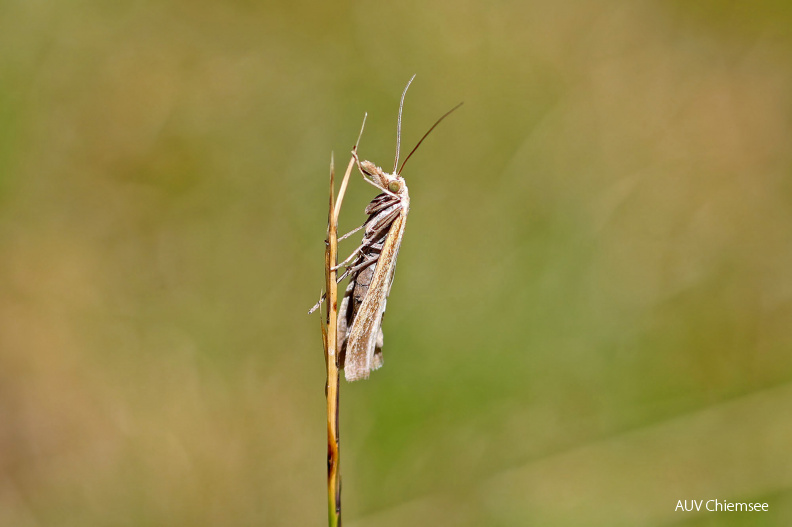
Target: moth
371 266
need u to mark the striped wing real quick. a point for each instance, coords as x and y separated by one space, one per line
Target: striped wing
362 336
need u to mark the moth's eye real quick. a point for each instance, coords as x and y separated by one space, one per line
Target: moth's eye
394 186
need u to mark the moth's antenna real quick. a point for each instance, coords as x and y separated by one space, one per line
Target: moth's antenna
398 124
427 133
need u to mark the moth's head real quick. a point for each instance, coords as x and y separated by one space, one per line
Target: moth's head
391 182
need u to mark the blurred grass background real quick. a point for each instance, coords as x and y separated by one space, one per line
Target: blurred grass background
591 318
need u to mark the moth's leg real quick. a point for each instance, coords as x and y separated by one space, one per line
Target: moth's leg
367 176
316 306
367 259
356 252
348 270
376 247
352 256
365 263
378 226
357 160
350 233
344 275
367 180
376 185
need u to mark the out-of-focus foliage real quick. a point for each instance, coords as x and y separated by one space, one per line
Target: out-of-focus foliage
591 316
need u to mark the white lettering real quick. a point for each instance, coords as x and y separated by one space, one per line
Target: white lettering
716 505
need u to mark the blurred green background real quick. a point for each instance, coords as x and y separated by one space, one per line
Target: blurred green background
592 316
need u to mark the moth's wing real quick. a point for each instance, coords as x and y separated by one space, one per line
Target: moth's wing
366 329
376 360
343 322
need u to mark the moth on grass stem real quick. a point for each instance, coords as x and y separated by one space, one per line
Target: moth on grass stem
371 266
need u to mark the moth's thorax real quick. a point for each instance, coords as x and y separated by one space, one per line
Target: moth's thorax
394 183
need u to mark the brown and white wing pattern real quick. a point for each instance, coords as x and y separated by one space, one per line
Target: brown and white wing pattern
364 337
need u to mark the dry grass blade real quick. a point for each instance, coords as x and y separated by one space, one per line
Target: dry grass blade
330 338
